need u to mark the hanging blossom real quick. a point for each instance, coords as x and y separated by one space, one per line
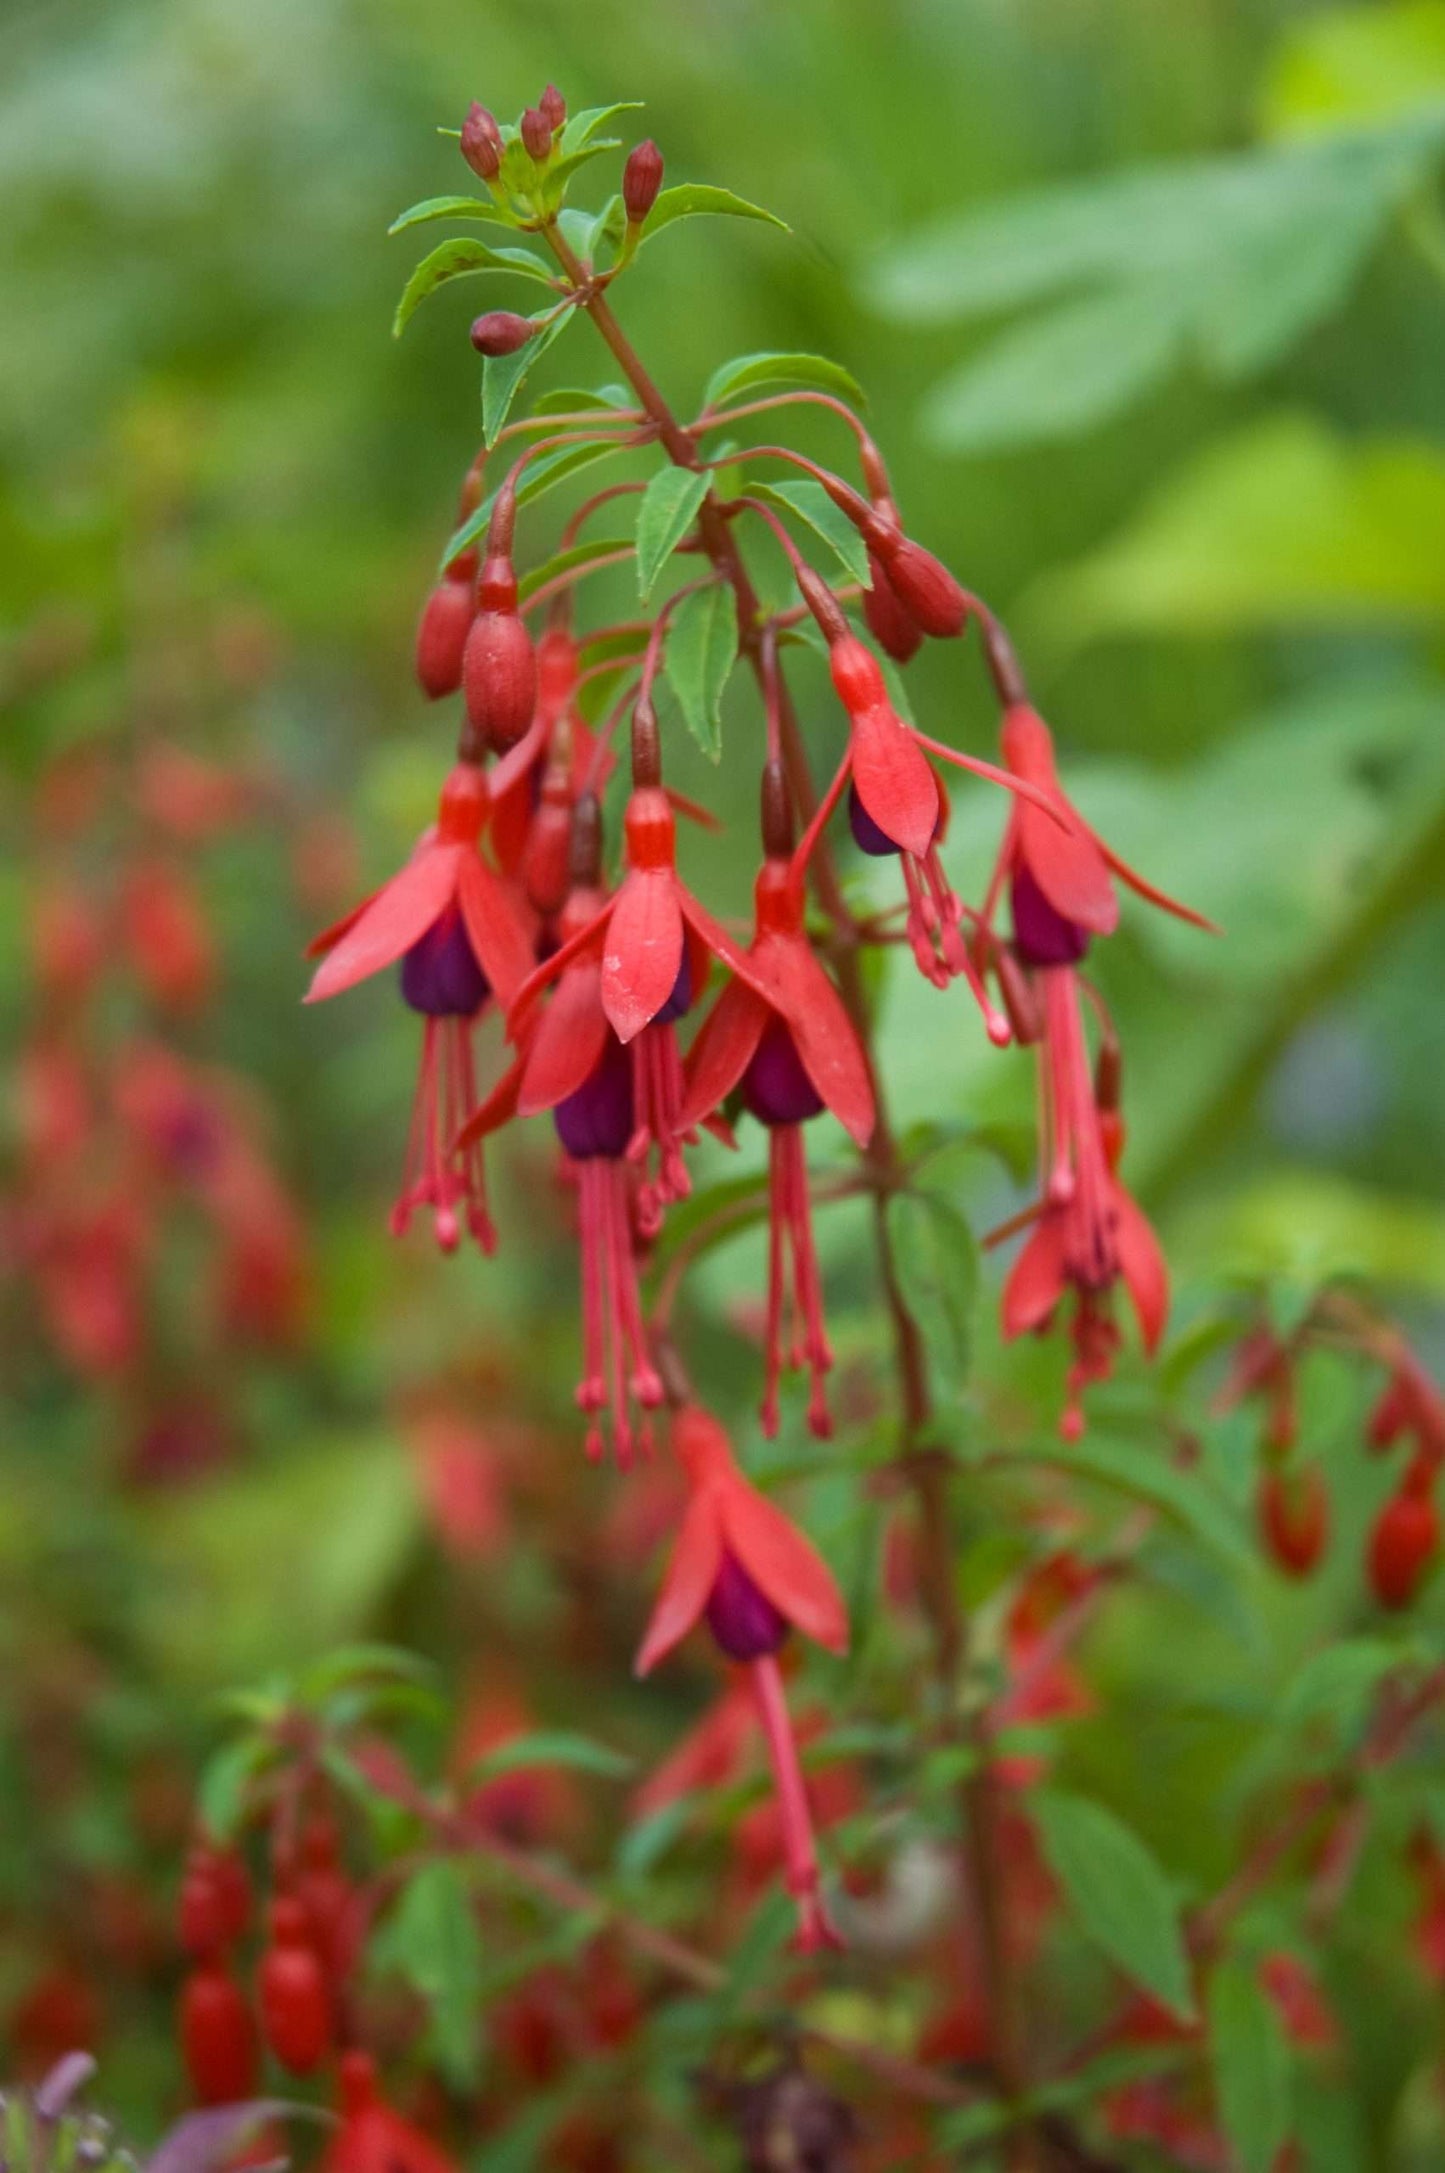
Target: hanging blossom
572 1063
787 1040
654 940
1088 1233
460 938
741 1564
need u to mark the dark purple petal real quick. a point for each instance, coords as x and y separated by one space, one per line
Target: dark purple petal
776 1089
679 1003
597 1120
440 976
1043 937
866 834
743 1620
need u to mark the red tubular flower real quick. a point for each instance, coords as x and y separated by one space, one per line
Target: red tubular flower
1294 1515
1405 1538
372 2136
795 1053
741 1563
654 940
453 925
572 1063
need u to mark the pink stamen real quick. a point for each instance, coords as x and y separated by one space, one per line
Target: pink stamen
790 1231
435 1173
617 1371
815 1929
1079 1179
657 1089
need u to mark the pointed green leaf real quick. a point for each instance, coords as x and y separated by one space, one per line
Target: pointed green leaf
811 503
1251 2064
551 1747
452 207
565 399
461 258
580 554
362 1663
745 373
502 375
1055 375
1117 1891
665 513
221 1797
582 127
558 176
538 477
936 1261
702 645
698 199
433 1939
1186 1497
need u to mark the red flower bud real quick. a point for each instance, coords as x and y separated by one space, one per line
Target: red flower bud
859 682
441 637
499 670
641 180
233 1885
925 588
536 133
218 2041
895 632
201 1914
482 145
501 332
547 856
1406 1535
553 107
291 1987
1294 1516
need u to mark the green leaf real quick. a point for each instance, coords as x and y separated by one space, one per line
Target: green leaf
552 1747
538 477
434 1941
502 376
1186 1497
812 505
702 645
362 1663
1054 375
1250 2060
221 1796
746 372
460 258
1338 1684
558 176
582 127
698 199
936 1262
567 399
580 554
1118 1892
667 510
452 207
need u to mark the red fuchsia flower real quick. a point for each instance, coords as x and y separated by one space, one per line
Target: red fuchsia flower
739 1562
373 2137
453 925
713 1753
1090 1234
1406 1537
168 937
654 941
572 1063
795 1053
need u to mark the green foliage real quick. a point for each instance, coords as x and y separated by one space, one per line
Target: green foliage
938 1268
812 505
666 511
750 373
1251 2066
461 258
432 1940
1117 1891
698 200
702 647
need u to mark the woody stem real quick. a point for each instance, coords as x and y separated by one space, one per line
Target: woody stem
924 1468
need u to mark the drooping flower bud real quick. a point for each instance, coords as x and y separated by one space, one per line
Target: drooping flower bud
891 625
1406 1535
1294 1516
292 1993
499 665
548 851
501 332
536 132
482 145
641 180
441 636
553 107
925 587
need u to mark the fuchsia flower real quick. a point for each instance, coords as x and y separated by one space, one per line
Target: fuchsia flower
572 1063
739 1562
452 923
653 940
1089 1234
795 1052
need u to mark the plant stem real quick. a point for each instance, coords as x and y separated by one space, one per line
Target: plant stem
924 1468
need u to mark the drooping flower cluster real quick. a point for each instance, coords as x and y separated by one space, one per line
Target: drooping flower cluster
508 907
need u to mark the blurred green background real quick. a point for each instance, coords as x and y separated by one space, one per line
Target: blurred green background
1206 487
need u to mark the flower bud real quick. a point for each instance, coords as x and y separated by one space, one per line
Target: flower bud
536 132
641 180
553 107
1294 1516
856 677
546 858
1406 1535
501 332
441 638
895 632
482 145
499 671
926 589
